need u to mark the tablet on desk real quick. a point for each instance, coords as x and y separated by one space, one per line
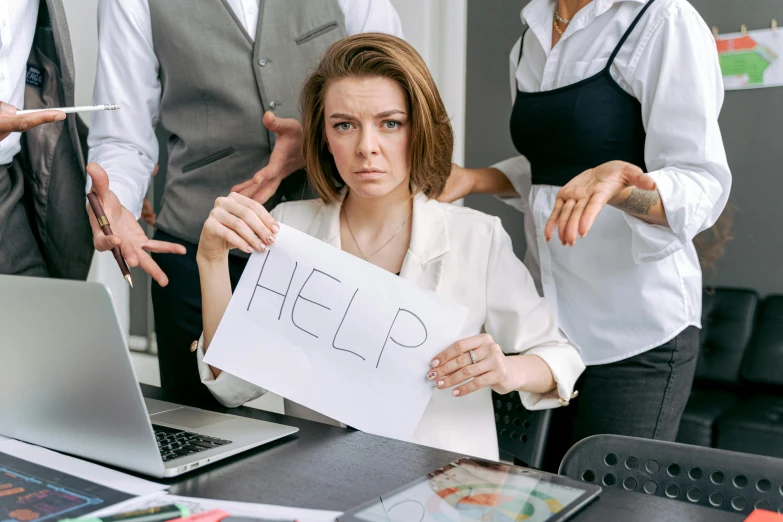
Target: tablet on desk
474 489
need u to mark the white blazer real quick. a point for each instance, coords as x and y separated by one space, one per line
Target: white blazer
466 256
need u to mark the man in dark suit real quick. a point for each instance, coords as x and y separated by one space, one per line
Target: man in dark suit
44 230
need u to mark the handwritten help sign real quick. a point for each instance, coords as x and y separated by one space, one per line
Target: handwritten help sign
333 333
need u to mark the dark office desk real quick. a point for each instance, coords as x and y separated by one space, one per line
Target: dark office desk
326 467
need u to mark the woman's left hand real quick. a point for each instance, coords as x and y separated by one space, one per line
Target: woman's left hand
454 366
581 200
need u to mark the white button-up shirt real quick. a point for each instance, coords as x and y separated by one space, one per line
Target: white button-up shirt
124 142
17 29
629 286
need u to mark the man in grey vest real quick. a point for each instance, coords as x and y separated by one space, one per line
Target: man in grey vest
43 228
209 71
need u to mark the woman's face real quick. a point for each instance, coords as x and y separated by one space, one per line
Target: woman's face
368 133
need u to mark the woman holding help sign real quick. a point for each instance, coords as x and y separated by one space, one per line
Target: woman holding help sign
378 145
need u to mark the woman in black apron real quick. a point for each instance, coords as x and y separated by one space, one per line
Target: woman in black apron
615 115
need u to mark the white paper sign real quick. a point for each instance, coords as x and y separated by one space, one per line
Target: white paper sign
336 334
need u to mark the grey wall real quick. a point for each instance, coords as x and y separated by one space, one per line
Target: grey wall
493 27
751 123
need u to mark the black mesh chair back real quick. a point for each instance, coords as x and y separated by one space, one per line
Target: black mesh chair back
736 482
521 433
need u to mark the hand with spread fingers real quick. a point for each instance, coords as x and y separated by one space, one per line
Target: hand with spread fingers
127 233
615 183
285 159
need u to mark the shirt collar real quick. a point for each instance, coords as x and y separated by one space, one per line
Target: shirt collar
538 15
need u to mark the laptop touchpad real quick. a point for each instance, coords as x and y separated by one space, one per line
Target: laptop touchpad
189 418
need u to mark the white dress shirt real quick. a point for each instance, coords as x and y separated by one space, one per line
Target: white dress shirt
124 142
466 256
17 29
629 286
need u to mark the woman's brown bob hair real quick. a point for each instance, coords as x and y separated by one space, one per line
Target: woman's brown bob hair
377 54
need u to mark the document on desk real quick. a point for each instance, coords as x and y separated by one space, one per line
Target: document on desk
39 484
236 509
336 334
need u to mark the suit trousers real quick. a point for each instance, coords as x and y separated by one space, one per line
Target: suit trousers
20 252
177 311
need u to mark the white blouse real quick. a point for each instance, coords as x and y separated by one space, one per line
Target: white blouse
629 286
467 257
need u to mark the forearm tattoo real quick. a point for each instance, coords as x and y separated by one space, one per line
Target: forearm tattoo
639 202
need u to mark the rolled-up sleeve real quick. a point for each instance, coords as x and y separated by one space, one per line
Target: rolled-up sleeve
678 80
517 170
521 323
228 389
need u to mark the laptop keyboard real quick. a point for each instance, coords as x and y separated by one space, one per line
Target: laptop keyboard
174 443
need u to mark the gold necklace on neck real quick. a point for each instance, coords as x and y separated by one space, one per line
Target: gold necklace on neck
557 19
367 258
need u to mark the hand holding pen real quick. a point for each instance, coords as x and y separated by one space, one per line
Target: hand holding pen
125 233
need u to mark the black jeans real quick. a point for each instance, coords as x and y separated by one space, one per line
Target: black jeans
177 310
642 396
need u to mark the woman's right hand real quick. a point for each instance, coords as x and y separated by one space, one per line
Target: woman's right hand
236 221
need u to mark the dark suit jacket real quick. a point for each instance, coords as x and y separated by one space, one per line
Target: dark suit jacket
52 155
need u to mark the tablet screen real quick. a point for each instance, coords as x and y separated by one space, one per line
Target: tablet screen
477 490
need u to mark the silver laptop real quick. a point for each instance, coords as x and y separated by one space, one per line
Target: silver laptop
67 383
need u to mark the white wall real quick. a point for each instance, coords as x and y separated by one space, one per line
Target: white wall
438 30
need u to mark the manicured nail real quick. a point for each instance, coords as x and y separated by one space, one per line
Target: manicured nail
455 393
275 228
261 247
431 375
434 363
60 117
440 383
249 249
270 239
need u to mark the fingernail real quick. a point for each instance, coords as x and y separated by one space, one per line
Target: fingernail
270 239
440 383
262 247
455 393
431 375
434 363
249 249
275 228
60 116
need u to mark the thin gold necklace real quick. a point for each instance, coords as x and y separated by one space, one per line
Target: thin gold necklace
367 258
557 20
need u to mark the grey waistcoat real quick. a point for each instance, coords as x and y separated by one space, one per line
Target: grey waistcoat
216 84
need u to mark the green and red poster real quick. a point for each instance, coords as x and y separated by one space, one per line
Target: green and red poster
751 60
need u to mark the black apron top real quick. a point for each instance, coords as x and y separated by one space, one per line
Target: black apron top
565 131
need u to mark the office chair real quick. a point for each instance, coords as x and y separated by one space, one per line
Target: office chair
521 433
736 482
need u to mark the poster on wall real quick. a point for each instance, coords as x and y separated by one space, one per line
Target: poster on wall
752 59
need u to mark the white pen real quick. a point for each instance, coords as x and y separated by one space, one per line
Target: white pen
69 110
